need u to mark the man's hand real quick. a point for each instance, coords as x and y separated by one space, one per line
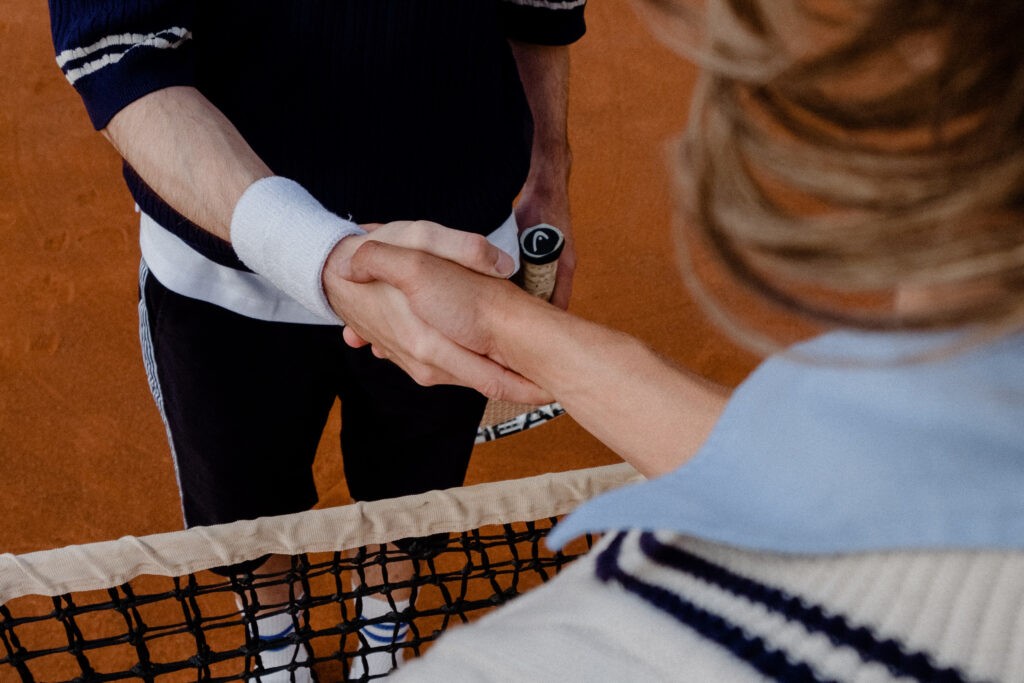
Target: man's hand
379 314
467 249
539 204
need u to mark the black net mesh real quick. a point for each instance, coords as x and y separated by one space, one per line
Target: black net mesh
203 627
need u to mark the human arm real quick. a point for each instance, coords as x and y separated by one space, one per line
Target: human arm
191 155
133 66
544 71
654 414
639 404
539 34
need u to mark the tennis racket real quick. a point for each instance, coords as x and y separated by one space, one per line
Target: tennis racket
540 247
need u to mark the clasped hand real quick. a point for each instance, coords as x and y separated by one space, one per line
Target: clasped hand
452 350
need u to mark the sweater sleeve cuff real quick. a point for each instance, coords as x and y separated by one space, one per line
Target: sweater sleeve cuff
110 79
558 22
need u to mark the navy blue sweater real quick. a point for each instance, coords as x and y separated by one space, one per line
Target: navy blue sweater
383 109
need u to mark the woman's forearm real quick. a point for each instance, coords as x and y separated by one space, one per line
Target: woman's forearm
649 411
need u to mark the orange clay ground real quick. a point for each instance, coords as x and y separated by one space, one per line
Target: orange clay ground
83 455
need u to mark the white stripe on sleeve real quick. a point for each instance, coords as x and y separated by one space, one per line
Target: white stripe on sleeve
548 4
168 39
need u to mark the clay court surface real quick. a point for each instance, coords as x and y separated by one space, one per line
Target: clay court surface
83 456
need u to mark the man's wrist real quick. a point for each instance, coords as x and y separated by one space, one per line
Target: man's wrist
549 175
283 233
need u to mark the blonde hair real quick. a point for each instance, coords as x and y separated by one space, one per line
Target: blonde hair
859 147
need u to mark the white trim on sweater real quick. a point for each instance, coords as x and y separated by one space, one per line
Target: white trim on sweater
160 40
548 4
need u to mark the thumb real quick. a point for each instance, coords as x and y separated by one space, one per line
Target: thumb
375 260
353 338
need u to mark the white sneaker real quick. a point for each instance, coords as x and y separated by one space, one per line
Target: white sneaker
377 664
281 657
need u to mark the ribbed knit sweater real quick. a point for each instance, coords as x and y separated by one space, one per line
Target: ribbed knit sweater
384 110
647 608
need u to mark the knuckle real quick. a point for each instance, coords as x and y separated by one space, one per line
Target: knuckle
477 247
420 233
425 376
417 268
493 388
422 349
368 251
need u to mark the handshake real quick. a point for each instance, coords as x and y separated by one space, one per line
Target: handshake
433 300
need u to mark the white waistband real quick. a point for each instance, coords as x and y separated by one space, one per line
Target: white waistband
187 272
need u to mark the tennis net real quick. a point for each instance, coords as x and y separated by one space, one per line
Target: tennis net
149 608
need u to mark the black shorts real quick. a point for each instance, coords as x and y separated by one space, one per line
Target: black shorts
245 402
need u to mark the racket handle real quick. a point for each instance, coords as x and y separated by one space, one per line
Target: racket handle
540 247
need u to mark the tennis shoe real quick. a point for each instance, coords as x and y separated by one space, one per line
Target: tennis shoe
368 666
277 658
379 655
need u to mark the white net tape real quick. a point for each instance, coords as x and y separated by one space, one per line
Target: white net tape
98 566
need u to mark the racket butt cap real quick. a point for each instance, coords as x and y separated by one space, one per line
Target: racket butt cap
541 244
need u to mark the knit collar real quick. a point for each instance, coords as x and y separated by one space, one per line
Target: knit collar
866 453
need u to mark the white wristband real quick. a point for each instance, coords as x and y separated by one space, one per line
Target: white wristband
283 233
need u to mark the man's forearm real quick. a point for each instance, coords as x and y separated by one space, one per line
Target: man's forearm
544 72
189 153
195 159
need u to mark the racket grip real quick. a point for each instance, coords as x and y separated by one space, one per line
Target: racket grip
540 247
